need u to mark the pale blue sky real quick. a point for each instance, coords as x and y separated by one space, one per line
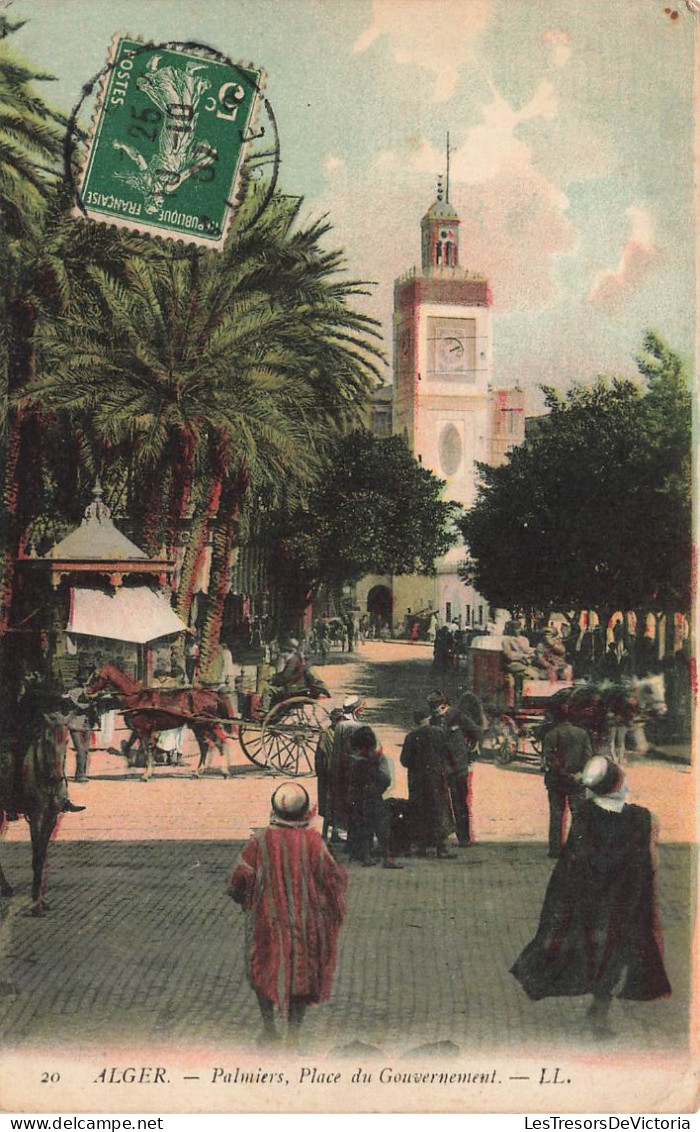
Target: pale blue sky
572 126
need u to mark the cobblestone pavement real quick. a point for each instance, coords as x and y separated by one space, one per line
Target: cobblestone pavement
142 944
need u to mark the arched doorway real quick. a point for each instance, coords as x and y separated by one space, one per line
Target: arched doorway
380 607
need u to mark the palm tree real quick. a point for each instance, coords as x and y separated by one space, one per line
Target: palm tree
30 151
203 377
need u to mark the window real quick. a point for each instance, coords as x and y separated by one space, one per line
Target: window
450 449
448 611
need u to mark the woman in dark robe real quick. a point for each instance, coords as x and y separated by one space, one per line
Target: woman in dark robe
598 932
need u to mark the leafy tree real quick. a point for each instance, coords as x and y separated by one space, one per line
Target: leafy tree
374 509
594 511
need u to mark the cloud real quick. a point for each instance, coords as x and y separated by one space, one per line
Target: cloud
515 221
610 287
334 164
493 144
560 43
438 36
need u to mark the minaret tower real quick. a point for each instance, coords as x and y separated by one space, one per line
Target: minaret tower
442 354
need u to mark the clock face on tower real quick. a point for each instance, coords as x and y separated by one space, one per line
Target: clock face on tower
451 347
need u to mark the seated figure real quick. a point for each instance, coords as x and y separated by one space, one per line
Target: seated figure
518 652
551 656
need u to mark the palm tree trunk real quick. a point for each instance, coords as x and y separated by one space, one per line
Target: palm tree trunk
181 485
195 550
10 497
153 515
223 540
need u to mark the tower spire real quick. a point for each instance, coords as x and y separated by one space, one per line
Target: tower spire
447 176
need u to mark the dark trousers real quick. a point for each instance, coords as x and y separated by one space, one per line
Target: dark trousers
369 821
459 791
81 742
559 798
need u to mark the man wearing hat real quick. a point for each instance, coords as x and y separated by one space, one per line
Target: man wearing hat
426 756
599 932
370 777
565 752
80 719
322 766
464 724
293 894
353 707
290 680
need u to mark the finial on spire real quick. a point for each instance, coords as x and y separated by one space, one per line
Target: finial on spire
97 511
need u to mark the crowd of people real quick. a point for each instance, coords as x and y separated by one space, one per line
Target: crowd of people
598 933
353 775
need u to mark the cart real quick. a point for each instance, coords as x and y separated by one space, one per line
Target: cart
284 740
518 710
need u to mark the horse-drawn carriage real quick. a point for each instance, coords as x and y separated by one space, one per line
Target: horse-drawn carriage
519 709
280 738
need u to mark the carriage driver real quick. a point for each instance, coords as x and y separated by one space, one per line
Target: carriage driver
295 677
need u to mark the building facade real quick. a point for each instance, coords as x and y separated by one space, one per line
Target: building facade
445 405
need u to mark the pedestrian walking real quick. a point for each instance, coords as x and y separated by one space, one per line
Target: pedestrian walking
566 750
293 894
322 640
191 655
370 776
322 766
425 755
80 718
599 932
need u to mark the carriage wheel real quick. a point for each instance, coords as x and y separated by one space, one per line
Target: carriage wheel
251 739
290 734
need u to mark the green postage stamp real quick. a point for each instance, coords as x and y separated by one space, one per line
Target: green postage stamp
168 142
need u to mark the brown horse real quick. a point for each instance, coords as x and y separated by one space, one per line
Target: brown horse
36 788
148 711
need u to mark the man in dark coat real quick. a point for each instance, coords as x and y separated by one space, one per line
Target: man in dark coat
322 766
566 750
339 777
426 756
598 932
463 724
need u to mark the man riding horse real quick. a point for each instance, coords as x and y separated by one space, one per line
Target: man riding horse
37 704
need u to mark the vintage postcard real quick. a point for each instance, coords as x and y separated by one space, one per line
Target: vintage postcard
348 642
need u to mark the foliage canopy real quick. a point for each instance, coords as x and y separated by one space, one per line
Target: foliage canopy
595 510
375 510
